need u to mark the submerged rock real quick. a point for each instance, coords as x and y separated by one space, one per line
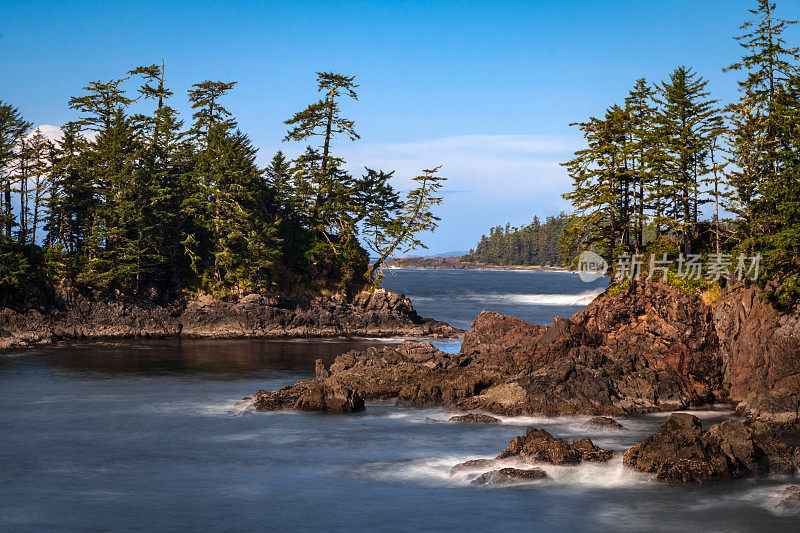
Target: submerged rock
681 451
475 418
790 500
603 422
473 464
537 445
509 475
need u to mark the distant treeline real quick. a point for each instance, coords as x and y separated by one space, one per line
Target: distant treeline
534 244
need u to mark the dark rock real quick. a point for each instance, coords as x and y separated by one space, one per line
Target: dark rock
603 422
790 500
509 475
310 395
72 313
681 451
475 418
649 348
537 445
473 464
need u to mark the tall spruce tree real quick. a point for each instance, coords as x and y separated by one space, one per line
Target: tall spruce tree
684 115
12 128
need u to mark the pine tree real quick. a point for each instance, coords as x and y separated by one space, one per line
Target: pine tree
644 153
401 231
768 63
684 116
12 128
324 119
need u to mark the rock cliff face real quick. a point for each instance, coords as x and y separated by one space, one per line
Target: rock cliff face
649 348
74 314
760 353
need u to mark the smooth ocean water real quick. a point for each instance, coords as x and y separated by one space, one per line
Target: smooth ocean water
144 436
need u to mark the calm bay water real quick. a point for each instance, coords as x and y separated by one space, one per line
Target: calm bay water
144 436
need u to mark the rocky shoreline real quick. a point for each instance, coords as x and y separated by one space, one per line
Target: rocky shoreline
681 451
650 348
74 314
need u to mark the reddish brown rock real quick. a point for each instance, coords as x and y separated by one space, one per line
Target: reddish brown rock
681 451
312 395
538 445
760 352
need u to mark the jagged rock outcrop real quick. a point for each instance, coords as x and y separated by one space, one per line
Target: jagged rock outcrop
649 348
93 315
538 445
641 351
681 451
509 475
760 352
377 313
74 314
311 395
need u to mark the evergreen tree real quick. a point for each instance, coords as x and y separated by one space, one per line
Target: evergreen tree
324 119
768 63
12 128
684 118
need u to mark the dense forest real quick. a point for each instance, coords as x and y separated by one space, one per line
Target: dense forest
132 200
672 170
534 244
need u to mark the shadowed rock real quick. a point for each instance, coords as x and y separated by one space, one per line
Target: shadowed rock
70 313
475 418
537 445
603 422
509 475
681 451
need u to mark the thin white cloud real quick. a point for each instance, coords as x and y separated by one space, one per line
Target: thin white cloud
499 178
53 133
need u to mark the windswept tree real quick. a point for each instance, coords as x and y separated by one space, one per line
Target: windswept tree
399 231
598 178
324 120
205 99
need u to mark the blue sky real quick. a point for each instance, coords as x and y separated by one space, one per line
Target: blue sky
485 89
